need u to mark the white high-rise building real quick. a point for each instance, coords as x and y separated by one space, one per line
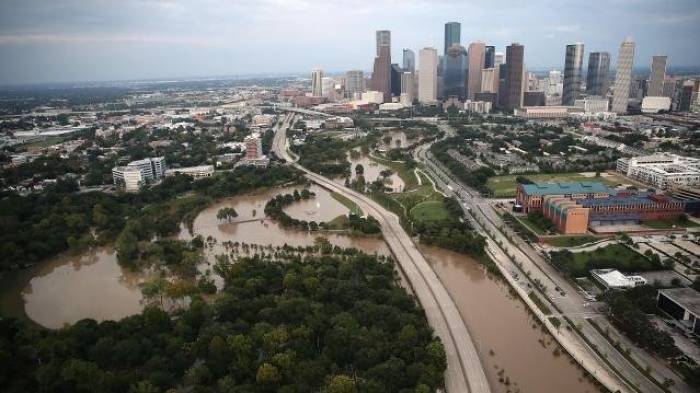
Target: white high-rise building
427 75
354 82
407 84
317 82
328 87
499 58
623 77
554 88
489 80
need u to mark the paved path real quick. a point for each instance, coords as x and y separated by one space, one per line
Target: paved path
464 370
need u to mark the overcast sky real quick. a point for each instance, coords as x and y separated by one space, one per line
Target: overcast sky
85 40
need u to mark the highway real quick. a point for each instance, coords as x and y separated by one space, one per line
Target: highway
523 267
464 370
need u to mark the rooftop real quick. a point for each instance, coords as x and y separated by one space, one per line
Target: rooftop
565 188
688 298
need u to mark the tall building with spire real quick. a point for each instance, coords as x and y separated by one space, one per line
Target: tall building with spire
514 69
427 75
317 82
452 35
476 55
381 73
623 76
598 74
657 77
572 73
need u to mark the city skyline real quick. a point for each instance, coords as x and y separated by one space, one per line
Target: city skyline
70 40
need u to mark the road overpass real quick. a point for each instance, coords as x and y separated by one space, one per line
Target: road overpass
464 370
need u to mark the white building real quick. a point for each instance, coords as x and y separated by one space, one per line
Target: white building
613 279
592 105
391 106
196 172
662 170
407 88
427 76
328 87
373 97
477 106
354 83
263 120
652 104
623 77
489 80
547 112
316 82
138 173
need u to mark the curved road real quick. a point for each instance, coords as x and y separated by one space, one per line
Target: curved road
464 370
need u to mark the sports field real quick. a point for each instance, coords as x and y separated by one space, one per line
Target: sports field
504 186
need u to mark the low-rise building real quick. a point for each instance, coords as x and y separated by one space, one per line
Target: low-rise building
683 304
197 172
573 215
531 196
613 279
593 104
138 173
547 112
477 106
662 170
656 104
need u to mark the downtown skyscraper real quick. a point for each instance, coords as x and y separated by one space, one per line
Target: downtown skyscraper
598 70
427 75
490 56
409 60
455 63
623 77
381 73
657 77
572 73
452 35
476 55
317 82
354 82
512 96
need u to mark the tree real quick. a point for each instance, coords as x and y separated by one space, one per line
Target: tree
359 170
226 213
340 384
267 374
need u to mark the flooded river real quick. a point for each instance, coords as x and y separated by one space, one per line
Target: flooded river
517 355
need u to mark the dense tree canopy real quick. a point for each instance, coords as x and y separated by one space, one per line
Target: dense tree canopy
333 324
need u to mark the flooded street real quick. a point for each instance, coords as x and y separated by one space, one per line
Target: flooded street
511 345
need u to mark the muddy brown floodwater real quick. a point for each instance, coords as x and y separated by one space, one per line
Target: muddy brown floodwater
512 346
371 172
69 288
510 342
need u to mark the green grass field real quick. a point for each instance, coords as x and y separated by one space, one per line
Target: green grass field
352 206
536 229
615 256
505 186
430 211
668 224
570 241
